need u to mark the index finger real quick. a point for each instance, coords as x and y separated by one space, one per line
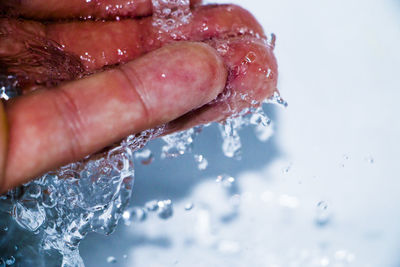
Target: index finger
85 9
50 128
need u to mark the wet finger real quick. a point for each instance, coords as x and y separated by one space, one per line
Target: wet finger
98 44
89 46
49 128
84 9
253 77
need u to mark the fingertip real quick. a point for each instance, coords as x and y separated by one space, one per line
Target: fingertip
179 78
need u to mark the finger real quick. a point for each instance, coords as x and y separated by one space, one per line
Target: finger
3 142
253 76
49 128
68 9
98 44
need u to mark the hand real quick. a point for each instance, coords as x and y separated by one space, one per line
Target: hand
89 83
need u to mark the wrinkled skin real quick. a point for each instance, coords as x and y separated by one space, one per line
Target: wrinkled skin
88 83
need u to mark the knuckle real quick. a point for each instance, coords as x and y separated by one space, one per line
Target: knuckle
72 121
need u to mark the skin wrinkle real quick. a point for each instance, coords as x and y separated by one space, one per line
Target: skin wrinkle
123 70
71 116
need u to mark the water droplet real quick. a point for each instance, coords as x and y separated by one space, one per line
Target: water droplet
250 57
323 216
10 261
165 209
370 159
178 143
169 15
231 143
201 161
151 205
134 215
287 168
125 256
277 99
145 156
111 259
225 180
189 206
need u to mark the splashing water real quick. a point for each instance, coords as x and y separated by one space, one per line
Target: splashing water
91 195
163 209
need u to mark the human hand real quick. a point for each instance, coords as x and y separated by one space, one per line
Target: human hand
88 83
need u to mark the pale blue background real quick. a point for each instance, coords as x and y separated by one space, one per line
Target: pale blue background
339 65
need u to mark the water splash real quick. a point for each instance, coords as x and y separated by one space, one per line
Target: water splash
145 156
87 196
179 143
163 209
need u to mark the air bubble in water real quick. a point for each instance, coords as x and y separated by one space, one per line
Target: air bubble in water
201 161
323 216
165 209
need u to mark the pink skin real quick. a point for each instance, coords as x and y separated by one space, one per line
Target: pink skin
81 117
245 67
67 9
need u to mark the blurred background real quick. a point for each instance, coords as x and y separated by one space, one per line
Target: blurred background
324 190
